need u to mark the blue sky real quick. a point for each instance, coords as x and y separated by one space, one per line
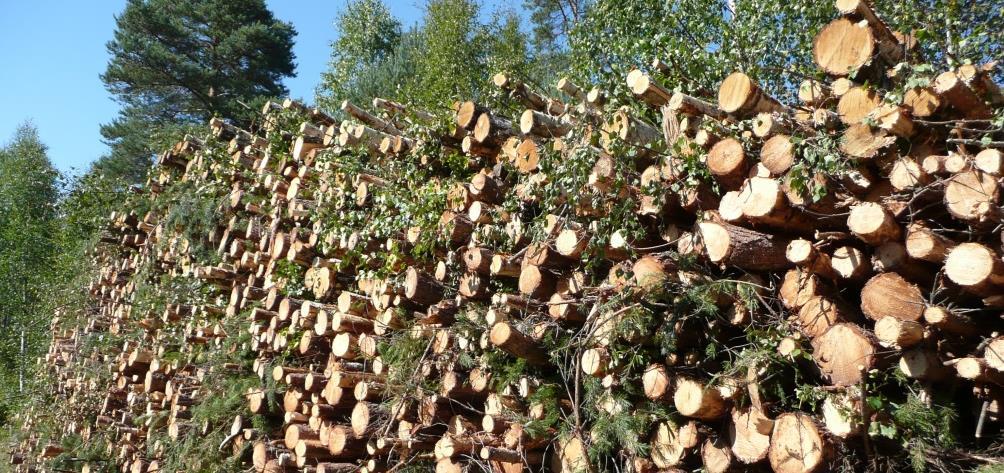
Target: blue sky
51 53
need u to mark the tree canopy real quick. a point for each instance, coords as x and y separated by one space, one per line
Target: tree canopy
176 62
29 227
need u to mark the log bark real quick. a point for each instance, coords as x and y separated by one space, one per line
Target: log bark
743 248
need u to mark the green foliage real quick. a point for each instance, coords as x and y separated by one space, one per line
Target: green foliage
402 353
553 20
702 41
181 62
368 35
818 155
771 40
949 32
289 276
448 65
450 56
29 238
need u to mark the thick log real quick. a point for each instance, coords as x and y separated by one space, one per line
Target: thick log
646 89
728 163
512 341
740 95
743 248
889 295
694 399
845 353
798 444
749 435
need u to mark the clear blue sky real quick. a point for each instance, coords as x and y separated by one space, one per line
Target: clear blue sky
51 53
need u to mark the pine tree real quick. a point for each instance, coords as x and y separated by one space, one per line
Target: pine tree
184 61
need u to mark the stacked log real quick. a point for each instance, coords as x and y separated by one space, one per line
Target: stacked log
380 304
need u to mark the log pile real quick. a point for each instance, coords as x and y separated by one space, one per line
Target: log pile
660 282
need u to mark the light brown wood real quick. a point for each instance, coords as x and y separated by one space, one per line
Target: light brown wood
777 154
844 353
976 268
644 87
961 97
510 340
740 95
893 332
749 435
818 314
973 196
889 295
743 248
695 399
843 46
856 104
798 445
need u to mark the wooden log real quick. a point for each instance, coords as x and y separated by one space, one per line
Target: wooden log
421 288
893 332
922 102
960 96
973 196
975 268
657 383
850 263
777 154
924 244
818 314
856 104
798 445
536 282
743 248
740 95
845 353
468 113
727 162
764 203
993 354
843 46
803 253
990 161
749 435
512 341
717 456
684 104
798 287
532 122
645 88
889 295
922 364
949 321
977 370
492 131
893 119
694 399
812 92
